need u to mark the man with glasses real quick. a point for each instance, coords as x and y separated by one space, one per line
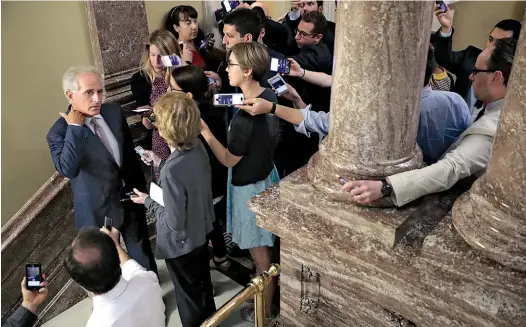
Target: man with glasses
469 154
298 8
462 62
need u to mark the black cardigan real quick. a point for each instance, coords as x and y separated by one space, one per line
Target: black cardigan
141 89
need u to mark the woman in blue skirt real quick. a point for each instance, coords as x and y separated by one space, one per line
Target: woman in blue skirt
250 158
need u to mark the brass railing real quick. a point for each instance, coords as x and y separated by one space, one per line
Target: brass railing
255 288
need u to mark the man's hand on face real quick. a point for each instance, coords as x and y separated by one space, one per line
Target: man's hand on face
74 117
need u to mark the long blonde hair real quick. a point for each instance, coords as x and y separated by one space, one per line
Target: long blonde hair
167 45
178 120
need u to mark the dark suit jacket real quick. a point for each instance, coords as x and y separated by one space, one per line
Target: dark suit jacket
96 179
328 33
141 89
21 318
188 213
460 63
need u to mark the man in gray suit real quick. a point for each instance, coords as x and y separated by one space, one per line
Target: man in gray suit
92 146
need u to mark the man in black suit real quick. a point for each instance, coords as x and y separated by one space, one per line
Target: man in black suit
461 63
298 8
92 146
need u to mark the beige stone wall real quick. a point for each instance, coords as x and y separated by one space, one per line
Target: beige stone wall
475 19
40 40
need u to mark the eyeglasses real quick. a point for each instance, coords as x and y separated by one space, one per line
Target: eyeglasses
305 34
475 71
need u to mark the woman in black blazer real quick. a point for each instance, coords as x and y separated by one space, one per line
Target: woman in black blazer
193 81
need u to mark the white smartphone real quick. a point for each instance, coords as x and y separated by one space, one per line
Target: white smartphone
139 150
171 61
228 100
278 84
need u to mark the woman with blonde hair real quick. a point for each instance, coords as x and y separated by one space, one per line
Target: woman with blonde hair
186 218
249 154
152 80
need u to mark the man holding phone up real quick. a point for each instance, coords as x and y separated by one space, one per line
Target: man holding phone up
92 146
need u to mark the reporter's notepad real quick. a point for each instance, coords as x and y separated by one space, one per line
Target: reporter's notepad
156 193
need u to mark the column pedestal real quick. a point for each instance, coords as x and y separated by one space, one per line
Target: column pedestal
375 101
492 216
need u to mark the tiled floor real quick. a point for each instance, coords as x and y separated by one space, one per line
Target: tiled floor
225 289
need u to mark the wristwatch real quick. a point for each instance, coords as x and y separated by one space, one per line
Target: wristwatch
387 189
273 110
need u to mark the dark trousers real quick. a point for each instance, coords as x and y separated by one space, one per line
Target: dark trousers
190 275
134 232
216 236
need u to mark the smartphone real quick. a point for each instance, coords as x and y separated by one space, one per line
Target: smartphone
443 6
228 100
108 222
278 84
139 149
171 61
205 42
211 81
220 14
343 180
151 120
281 66
229 5
33 275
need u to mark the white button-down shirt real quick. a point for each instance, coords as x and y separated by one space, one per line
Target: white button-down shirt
136 301
109 136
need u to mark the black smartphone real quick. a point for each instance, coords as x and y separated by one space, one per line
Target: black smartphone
206 41
281 66
108 222
33 275
443 6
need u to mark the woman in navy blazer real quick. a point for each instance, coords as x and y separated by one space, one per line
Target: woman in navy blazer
187 216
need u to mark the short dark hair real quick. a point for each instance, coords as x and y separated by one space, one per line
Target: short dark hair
192 79
174 17
320 3
511 25
501 59
317 19
246 21
92 261
251 55
431 64
262 18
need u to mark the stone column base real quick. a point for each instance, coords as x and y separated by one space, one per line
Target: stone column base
498 235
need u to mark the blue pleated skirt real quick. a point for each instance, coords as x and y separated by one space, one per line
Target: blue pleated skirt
241 222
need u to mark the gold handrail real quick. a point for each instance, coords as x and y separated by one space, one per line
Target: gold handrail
255 288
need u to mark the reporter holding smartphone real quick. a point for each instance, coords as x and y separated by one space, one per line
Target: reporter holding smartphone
152 81
249 156
26 314
186 219
182 22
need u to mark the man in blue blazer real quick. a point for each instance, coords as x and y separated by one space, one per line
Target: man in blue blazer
92 146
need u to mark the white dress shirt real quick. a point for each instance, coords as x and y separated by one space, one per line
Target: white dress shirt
109 136
136 301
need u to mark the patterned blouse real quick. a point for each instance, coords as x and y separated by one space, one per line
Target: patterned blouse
159 146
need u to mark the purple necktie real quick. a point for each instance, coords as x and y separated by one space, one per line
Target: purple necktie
100 133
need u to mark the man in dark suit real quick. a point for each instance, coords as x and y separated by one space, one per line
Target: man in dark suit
461 63
92 146
298 8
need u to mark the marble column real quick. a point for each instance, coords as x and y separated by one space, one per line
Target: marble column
118 32
380 57
492 216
